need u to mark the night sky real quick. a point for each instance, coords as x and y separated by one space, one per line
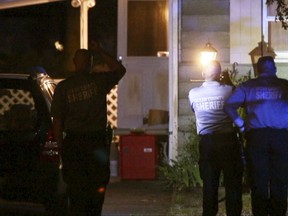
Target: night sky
28 34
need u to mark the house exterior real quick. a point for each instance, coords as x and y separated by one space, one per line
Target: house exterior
199 22
234 27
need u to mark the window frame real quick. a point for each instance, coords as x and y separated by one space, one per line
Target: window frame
281 56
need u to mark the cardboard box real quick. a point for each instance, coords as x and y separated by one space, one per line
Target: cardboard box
158 117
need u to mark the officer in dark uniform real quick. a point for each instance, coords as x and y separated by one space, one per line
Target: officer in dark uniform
79 111
265 100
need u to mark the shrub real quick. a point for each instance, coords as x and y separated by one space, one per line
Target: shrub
183 172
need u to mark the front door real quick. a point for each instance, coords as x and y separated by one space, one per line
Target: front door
143 50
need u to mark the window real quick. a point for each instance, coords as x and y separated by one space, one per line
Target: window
152 37
249 21
273 32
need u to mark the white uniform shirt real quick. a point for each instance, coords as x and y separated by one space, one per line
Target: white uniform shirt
207 103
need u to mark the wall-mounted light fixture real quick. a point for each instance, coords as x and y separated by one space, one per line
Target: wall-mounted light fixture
84 7
263 49
208 54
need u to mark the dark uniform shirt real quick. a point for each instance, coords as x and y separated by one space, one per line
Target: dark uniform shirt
80 101
265 100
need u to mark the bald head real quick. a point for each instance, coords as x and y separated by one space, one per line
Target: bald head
266 66
82 60
212 71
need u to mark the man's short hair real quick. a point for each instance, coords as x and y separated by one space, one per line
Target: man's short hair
266 65
212 71
82 60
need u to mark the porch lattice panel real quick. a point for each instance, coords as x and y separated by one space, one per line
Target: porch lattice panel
112 107
25 98
18 96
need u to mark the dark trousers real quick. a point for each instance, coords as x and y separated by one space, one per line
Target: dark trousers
86 172
86 200
221 153
267 160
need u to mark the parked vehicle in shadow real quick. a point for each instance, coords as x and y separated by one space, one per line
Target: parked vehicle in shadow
29 155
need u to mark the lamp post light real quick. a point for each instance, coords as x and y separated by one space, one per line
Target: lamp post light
263 49
84 7
208 54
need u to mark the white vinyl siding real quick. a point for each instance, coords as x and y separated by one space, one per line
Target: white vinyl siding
277 37
245 29
249 20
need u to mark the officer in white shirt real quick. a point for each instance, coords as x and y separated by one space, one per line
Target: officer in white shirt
219 147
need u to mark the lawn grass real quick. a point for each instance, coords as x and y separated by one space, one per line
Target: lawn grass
190 203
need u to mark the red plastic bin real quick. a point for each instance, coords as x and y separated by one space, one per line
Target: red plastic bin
138 156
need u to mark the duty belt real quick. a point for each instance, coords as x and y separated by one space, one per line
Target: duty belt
99 134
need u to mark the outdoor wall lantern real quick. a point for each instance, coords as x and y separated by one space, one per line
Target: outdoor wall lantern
208 54
263 49
84 7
